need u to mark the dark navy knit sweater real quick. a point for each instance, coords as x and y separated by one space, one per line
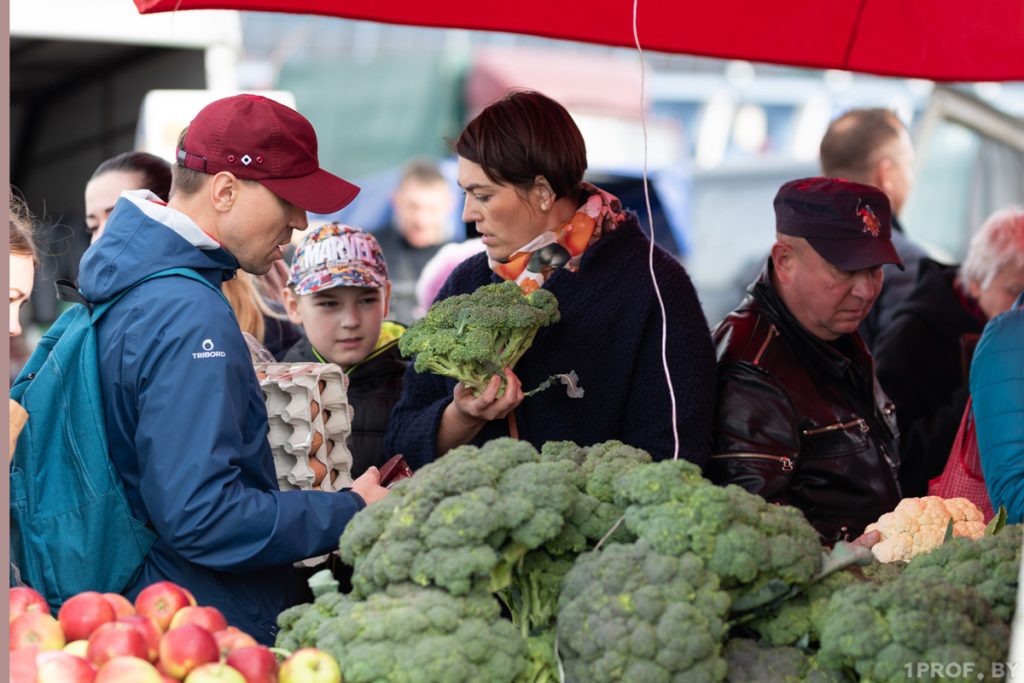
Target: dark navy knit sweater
610 334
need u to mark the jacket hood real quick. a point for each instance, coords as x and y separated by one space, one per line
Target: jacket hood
145 236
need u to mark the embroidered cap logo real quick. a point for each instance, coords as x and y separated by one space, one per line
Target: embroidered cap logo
871 224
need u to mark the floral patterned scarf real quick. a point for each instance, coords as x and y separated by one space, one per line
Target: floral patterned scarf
534 263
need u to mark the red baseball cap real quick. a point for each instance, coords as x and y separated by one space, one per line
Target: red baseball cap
256 138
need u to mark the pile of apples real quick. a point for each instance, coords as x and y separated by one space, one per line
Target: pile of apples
164 637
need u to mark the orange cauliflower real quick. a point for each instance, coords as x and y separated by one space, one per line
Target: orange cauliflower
918 525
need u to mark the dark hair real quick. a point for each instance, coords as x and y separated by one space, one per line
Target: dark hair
524 135
155 172
422 171
851 143
22 241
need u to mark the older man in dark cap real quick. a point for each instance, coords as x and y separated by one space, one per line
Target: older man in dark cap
800 418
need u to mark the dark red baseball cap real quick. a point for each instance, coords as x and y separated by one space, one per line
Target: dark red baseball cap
848 224
256 138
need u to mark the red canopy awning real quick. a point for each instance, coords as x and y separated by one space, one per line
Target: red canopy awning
943 40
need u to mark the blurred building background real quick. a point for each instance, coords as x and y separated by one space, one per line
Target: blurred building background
721 136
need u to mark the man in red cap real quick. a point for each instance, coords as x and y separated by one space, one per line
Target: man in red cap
800 418
184 412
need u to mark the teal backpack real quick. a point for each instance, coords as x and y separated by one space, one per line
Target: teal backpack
72 528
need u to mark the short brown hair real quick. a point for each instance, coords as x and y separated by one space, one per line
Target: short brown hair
851 143
155 172
524 135
422 171
22 243
185 180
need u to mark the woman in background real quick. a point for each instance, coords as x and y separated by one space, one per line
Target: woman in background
22 261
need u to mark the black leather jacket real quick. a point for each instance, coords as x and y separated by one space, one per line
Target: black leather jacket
801 421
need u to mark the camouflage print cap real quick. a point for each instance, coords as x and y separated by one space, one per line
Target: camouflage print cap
337 255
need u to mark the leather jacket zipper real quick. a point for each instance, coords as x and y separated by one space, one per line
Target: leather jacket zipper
859 422
787 463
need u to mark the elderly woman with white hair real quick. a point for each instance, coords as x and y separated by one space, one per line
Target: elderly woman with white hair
923 356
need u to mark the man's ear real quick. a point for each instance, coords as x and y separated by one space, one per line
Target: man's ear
224 191
291 305
387 301
883 175
783 256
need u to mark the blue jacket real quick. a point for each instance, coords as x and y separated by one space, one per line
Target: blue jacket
997 389
187 424
610 334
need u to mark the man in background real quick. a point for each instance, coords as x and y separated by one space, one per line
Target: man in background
421 224
872 147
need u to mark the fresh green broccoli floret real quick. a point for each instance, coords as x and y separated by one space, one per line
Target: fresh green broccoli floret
543 666
299 624
881 632
989 564
471 337
748 660
627 613
537 579
798 619
882 572
749 543
463 521
424 635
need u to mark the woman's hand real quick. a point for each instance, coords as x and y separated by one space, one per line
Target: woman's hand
488 405
466 415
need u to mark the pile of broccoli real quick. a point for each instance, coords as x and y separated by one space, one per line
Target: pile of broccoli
412 634
472 337
754 547
629 613
880 632
990 565
613 567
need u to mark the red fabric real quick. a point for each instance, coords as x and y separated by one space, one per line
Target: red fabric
963 477
952 40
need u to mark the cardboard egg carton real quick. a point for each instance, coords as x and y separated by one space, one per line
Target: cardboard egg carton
310 421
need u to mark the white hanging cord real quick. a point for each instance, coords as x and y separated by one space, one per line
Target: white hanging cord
650 257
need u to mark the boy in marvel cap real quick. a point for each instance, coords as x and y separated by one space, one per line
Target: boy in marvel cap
800 418
339 292
185 416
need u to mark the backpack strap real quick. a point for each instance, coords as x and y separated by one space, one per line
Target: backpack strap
99 309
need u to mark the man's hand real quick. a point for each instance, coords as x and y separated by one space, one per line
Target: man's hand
867 540
368 486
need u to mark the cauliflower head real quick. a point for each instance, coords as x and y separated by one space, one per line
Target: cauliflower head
919 525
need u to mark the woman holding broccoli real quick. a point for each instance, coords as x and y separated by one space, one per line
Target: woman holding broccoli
521 163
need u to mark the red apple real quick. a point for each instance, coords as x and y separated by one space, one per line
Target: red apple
81 614
167 679
79 648
24 599
23 665
233 638
186 647
159 601
188 594
116 639
36 628
309 665
62 667
128 670
257 664
149 630
214 673
209 618
123 607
